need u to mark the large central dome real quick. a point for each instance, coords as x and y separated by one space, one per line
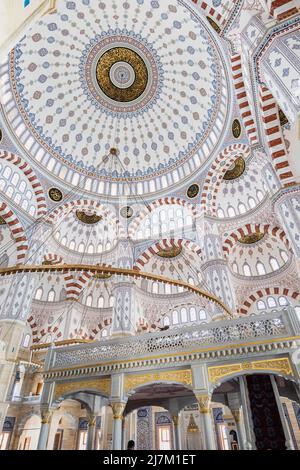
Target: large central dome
143 77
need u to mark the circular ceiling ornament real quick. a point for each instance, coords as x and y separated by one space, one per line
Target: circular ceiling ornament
236 171
236 129
193 191
55 194
126 212
170 252
122 74
89 219
251 239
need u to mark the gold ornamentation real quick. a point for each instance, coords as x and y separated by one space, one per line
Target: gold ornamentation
192 427
136 380
252 238
175 419
238 169
237 415
170 252
214 24
46 416
193 191
102 276
118 409
2 221
89 219
282 366
204 402
55 194
122 55
236 129
91 420
102 385
282 118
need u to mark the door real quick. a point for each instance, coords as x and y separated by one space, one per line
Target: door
164 438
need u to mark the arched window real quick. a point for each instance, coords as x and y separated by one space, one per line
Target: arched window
202 315
10 191
168 288
91 249
283 301
297 310
72 245
7 172
175 319
260 268
191 281
22 187
193 314
51 295
235 267
39 293
104 333
100 303
246 269
261 305
111 301
166 321
15 179
26 341
155 287
274 264
284 255
260 195
81 247
25 205
220 213
184 317
89 300
231 212
108 245
99 248
251 202
242 208
271 302
64 241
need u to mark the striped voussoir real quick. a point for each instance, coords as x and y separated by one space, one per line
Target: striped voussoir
38 335
245 307
274 136
75 286
212 13
17 232
32 178
250 229
143 326
242 99
154 205
101 326
282 9
168 243
53 259
215 175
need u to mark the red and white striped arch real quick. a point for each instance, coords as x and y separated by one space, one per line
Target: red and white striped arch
245 307
75 286
242 99
32 178
282 9
52 259
210 11
143 326
250 229
154 205
17 231
217 171
85 203
163 245
37 336
274 136
106 323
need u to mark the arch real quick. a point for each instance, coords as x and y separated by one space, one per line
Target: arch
250 229
32 178
52 259
84 203
154 205
75 286
17 232
101 326
38 335
162 245
247 304
213 180
252 371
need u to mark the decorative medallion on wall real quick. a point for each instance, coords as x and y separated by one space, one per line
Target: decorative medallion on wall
55 194
282 117
126 212
236 129
170 252
252 238
122 74
89 219
236 171
2 221
193 191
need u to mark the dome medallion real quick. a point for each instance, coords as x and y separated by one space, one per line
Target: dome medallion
146 77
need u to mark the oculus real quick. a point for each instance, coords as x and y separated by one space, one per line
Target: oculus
126 212
122 74
55 194
193 191
236 129
236 171
170 252
89 219
252 238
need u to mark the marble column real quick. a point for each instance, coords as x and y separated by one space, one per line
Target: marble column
91 432
45 428
118 409
208 430
249 443
237 414
177 442
288 438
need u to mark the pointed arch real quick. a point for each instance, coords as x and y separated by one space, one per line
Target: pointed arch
255 296
17 231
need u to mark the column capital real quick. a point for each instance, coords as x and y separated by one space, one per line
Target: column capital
118 409
91 420
175 419
204 400
237 415
46 415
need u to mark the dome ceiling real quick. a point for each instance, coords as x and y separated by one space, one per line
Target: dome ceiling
145 78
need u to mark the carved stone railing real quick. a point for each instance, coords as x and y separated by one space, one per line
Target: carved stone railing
220 334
